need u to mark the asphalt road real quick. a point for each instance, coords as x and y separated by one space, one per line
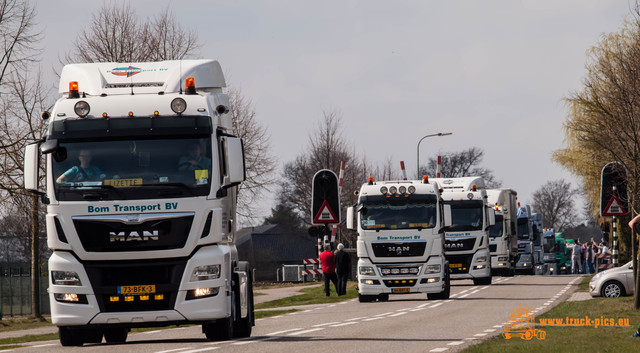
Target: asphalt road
406 323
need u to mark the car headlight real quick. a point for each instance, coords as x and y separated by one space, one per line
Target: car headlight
65 278
203 273
366 271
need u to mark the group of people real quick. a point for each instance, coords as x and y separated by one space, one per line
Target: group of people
336 268
584 256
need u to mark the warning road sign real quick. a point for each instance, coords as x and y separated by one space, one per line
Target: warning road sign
614 208
325 215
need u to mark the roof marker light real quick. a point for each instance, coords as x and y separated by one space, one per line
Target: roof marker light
190 85
74 91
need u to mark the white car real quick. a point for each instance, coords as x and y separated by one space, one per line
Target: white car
613 283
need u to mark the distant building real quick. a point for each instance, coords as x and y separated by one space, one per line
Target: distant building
269 247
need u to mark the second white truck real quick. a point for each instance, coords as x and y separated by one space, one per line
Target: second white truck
400 250
467 240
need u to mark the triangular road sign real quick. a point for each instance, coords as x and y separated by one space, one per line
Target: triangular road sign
614 208
325 214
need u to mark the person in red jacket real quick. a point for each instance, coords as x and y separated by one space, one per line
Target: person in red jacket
327 259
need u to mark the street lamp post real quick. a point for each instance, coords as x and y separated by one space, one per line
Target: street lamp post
418 150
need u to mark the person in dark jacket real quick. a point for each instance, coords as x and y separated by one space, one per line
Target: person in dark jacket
327 259
343 269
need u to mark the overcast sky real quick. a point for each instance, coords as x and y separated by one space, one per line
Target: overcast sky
494 73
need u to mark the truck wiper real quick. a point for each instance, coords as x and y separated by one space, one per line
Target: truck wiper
95 195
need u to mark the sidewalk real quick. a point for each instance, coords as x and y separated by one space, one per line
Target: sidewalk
269 295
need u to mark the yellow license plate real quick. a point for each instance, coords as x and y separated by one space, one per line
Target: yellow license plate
122 183
455 265
399 290
145 289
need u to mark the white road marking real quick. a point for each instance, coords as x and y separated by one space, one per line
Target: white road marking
305 331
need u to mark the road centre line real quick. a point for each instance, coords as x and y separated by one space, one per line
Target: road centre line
385 314
456 343
398 314
254 341
345 324
438 350
356 318
305 331
201 350
327 324
170 350
480 334
283 331
435 305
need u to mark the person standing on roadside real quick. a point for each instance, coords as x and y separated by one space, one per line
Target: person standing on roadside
343 269
576 258
327 259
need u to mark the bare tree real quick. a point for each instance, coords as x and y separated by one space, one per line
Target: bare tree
555 200
116 35
259 163
463 164
327 149
22 98
18 34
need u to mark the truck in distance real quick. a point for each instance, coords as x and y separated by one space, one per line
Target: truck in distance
400 242
467 239
141 179
503 236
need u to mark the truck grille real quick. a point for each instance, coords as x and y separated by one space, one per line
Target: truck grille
406 249
104 235
464 244
107 277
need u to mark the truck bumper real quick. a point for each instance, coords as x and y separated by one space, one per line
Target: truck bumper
91 308
421 282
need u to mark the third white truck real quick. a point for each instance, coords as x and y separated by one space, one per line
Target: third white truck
503 235
467 240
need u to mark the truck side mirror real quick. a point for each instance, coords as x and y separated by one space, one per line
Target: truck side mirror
350 215
447 219
31 165
234 161
491 213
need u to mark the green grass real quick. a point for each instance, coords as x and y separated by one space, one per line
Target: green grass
22 323
312 295
577 338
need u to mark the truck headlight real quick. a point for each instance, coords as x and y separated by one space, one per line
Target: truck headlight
203 273
481 259
65 278
503 258
366 271
432 269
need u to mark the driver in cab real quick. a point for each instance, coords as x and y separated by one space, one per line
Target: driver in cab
84 172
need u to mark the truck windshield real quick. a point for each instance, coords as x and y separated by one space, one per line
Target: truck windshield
523 228
495 231
466 215
132 169
549 245
415 212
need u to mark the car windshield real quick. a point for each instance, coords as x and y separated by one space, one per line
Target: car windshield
130 168
380 212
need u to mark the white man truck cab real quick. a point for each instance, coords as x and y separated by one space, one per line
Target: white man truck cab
503 236
467 239
400 242
141 180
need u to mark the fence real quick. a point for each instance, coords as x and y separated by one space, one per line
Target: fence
15 289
